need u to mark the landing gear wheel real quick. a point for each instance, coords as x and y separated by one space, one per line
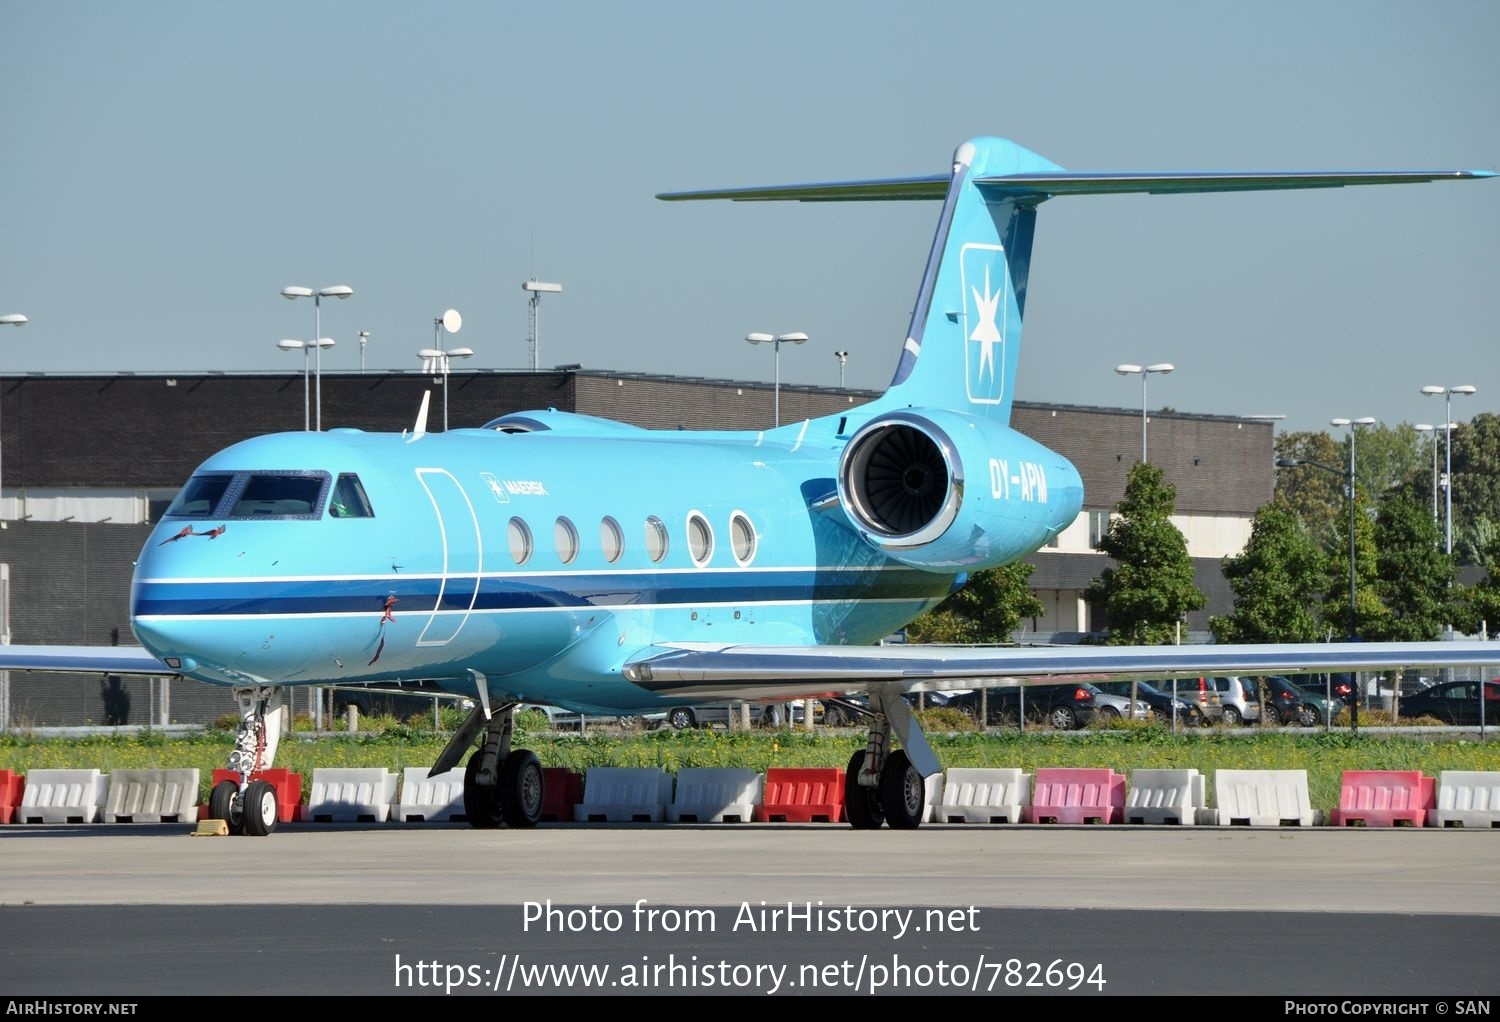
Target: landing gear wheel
903 796
481 801
521 789
259 812
861 804
221 805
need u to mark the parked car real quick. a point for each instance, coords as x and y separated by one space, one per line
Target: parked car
1238 697
1116 706
1064 707
1198 691
765 713
394 700
1160 703
1455 702
1287 703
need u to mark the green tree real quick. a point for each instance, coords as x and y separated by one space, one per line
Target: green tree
1387 456
1277 582
1476 471
1367 598
1149 590
1414 578
1478 607
1316 498
988 609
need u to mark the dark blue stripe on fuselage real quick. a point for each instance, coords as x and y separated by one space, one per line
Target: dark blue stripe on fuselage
335 596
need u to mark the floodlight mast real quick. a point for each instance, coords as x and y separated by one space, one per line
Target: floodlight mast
537 288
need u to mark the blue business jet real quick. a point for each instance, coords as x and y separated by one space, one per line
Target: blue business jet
530 561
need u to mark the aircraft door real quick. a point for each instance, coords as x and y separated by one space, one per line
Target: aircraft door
463 556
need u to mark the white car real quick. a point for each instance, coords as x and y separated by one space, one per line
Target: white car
1110 708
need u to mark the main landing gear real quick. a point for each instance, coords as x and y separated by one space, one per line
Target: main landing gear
250 807
887 786
501 784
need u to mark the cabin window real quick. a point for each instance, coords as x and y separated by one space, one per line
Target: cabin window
566 537
279 495
742 538
700 537
349 500
199 497
519 534
611 540
656 539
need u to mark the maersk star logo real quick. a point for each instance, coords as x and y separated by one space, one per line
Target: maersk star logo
984 283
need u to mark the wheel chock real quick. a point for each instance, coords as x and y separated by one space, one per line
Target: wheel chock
212 828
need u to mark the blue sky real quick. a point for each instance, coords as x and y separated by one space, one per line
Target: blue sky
168 167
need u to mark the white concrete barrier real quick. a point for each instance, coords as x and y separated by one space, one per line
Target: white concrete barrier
1466 798
716 795
983 795
624 795
1264 798
63 796
1165 796
350 795
430 799
152 796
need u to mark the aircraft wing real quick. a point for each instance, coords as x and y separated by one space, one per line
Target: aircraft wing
83 660
794 672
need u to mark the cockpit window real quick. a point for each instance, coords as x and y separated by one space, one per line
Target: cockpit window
349 500
280 495
199 497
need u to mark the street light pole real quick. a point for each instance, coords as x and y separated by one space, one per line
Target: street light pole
776 341
364 335
12 319
842 356
438 357
336 291
1129 369
1448 393
304 346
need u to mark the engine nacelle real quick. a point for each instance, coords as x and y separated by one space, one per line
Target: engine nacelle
942 490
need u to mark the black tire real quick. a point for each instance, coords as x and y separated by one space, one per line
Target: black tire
1232 716
481 802
903 796
1110 716
1272 715
861 804
1062 718
522 789
260 813
681 718
1309 716
221 805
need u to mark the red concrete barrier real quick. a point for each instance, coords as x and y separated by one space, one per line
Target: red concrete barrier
562 789
1384 798
1076 795
287 784
12 788
802 795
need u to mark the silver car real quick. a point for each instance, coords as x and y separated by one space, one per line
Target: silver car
1111 708
1237 696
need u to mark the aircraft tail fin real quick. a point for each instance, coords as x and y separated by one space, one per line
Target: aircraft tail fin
963 343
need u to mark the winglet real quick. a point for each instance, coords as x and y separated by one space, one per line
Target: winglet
420 429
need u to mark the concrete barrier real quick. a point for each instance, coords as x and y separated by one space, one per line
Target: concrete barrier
63 796
1383 798
351 795
1166 796
430 799
802 795
152 796
984 795
1263 798
1077 795
1466 798
716 795
624 795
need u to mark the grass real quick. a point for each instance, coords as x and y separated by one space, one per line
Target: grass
1133 746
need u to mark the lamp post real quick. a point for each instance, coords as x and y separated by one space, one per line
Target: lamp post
336 291
438 358
1129 369
1423 427
1448 393
1348 475
776 341
842 356
12 319
304 347
364 335
536 289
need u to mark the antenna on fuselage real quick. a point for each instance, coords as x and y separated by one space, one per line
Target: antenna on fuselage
420 429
